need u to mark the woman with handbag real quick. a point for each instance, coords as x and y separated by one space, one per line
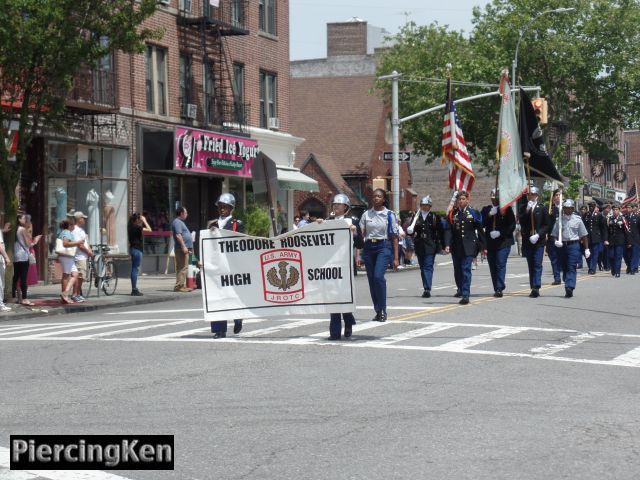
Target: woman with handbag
22 258
66 250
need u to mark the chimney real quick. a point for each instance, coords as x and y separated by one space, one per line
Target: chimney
347 38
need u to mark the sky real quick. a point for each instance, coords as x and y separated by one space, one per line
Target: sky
308 18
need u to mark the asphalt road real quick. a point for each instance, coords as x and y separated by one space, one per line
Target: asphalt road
511 388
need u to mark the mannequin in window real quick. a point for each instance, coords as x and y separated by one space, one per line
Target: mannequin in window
61 204
109 215
93 222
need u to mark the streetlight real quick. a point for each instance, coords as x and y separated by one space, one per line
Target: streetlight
524 30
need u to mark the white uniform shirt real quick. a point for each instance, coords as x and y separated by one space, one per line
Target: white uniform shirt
374 224
572 228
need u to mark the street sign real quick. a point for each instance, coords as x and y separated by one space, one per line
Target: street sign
402 156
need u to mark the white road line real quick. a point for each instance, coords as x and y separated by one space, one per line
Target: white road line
571 341
357 328
464 343
144 312
418 332
283 327
630 359
389 307
137 329
6 328
79 329
51 474
27 329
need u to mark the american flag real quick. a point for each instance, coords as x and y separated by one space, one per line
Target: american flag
632 196
454 149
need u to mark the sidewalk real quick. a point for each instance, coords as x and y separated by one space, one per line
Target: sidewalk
156 288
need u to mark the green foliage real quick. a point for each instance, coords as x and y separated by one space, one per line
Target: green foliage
586 62
573 187
256 220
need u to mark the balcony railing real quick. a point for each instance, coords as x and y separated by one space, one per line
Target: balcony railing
230 15
97 87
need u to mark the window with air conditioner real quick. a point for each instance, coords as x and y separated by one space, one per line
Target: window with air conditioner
238 93
186 85
268 97
156 80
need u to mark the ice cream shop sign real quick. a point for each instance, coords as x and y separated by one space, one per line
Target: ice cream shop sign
211 152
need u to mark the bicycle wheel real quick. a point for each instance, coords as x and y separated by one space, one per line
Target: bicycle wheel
110 279
98 266
89 281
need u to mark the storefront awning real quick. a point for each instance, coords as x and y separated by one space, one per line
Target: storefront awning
290 178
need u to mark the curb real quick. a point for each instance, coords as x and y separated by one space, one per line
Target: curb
89 307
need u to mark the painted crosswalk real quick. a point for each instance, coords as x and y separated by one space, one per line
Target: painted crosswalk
565 345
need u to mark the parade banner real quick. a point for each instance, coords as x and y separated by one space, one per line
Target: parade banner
309 270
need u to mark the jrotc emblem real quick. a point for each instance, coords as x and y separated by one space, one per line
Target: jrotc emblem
281 279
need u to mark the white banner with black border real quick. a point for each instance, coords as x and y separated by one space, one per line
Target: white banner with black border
306 271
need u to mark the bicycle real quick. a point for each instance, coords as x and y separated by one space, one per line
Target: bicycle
101 271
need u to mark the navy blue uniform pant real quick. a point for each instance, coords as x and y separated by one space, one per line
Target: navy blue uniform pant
635 258
462 273
498 267
335 325
595 249
221 326
426 263
376 257
568 257
552 252
534 254
615 258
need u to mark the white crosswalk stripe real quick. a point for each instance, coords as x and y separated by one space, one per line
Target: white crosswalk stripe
414 335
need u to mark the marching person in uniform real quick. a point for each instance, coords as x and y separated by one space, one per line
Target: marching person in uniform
552 252
340 206
226 203
379 229
633 239
617 240
426 229
498 229
534 224
464 241
573 232
596 225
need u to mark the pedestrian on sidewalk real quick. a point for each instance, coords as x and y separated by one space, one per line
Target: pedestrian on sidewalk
22 258
137 224
68 262
379 228
183 248
83 252
225 221
5 261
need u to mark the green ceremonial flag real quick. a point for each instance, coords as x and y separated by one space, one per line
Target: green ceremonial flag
512 181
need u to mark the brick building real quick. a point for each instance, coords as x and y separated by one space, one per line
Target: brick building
344 121
176 125
631 145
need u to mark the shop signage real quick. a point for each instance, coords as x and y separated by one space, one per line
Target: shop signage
212 152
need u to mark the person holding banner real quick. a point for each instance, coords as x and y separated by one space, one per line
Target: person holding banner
534 224
567 241
380 232
339 208
499 228
427 231
464 241
226 203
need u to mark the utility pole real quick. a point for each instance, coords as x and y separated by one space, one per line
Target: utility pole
395 140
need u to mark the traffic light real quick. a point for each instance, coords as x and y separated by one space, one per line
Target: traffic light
540 108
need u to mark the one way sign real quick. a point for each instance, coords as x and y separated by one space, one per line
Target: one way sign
402 156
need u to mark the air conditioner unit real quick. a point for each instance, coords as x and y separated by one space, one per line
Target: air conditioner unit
192 110
164 2
273 123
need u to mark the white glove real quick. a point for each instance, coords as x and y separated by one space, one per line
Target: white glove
410 230
587 253
494 211
494 234
558 244
530 205
534 238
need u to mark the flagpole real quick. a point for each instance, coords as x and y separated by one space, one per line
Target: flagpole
451 169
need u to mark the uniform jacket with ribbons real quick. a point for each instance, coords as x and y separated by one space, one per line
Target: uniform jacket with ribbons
503 223
633 236
428 234
466 235
540 219
596 224
618 230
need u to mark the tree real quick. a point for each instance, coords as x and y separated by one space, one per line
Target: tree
586 62
43 45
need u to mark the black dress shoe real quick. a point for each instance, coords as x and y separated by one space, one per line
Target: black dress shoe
568 292
333 338
426 294
464 301
237 326
219 335
556 282
592 272
383 316
136 293
376 318
458 295
348 330
498 294
535 293
617 275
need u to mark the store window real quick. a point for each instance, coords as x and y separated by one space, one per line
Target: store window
161 198
92 180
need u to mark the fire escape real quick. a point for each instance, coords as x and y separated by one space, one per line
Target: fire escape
202 32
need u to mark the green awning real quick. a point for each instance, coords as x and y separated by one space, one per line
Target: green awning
290 178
